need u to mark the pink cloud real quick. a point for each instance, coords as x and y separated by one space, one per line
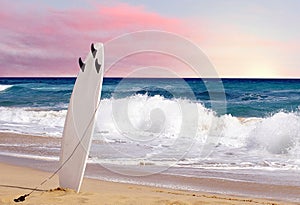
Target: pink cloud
41 41
121 16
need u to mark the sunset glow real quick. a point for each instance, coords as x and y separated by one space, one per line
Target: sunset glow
242 39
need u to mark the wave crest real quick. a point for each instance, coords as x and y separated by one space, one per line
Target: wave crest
5 87
158 121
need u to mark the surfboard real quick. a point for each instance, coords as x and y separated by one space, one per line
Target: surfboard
80 119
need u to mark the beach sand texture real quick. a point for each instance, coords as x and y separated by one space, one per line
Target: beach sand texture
16 180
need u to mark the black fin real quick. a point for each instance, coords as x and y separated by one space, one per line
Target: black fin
93 50
81 64
97 65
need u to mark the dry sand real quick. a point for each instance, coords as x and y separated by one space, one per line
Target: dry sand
15 181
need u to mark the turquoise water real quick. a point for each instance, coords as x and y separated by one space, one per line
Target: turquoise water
244 97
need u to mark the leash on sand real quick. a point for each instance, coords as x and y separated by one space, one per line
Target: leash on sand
23 197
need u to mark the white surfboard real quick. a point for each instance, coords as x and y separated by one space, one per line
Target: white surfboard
80 119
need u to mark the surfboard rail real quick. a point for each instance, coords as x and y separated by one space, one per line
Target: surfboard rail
81 118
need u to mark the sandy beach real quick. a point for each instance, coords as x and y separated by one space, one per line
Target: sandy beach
17 181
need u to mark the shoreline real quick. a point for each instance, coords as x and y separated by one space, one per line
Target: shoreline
17 181
209 182
206 185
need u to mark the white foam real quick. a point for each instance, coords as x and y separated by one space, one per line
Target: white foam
158 129
4 87
144 118
28 156
31 121
278 134
249 140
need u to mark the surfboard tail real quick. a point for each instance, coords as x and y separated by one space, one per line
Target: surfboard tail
81 118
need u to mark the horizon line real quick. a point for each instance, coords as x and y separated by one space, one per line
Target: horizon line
249 78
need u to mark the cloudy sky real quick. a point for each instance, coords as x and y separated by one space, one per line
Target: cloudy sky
257 38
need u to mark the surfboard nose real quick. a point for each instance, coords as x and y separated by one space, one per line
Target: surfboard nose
98 46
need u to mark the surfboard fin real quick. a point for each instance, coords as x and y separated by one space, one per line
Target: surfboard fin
97 65
93 50
81 64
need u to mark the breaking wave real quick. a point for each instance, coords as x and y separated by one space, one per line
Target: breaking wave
153 127
5 87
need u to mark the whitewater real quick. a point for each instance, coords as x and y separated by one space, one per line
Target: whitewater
155 124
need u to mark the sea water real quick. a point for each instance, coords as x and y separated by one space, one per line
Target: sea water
247 126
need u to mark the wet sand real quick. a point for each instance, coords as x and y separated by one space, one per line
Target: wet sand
17 181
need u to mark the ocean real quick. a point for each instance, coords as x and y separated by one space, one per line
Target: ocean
245 129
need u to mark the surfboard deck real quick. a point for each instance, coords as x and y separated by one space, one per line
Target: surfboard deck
81 118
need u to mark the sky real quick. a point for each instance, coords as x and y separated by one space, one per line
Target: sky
242 39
